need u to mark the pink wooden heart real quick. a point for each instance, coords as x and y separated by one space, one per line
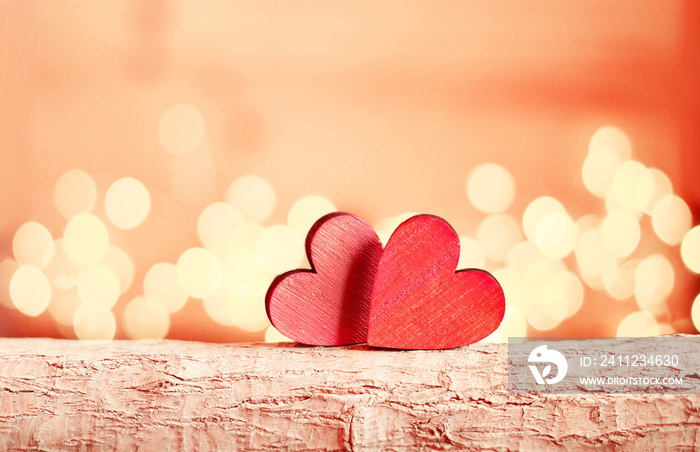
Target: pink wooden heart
420 302
329 304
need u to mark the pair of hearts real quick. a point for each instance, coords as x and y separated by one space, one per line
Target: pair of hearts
404 296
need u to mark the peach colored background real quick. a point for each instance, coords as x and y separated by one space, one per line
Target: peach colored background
383 107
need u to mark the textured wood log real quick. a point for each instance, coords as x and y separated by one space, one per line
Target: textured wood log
168 395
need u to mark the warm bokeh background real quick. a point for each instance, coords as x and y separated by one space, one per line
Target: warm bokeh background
377 108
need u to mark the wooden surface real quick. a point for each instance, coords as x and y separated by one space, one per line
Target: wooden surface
420 302
329 305
168 395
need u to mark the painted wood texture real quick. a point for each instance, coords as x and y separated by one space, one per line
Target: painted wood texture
329 305
420 302
60 395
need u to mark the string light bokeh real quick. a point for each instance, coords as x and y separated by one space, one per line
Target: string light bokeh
545 260
180 235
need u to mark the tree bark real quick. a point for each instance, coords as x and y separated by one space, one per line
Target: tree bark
170 395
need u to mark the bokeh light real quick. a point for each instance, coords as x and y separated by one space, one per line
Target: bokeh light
181 128
541 270
695 312
599 169
633 186
251 233
161 282
521 255
573 288
591 257
273 335
690 249
662 188
619 280
94 323
471 253
555 235
219 306
98 285
33 244
253 196
62 271
611 139
127 203
547 263
85 239
514 324
227 309
252 316
220 227
497 234
64 303
620 233
280 248
671 219
513 285
171 148
75 192
612 204
245 277
608 149
653 283
490 188
304 213
146 318
199 272
638 324
547 306
586 223
553 299
387 226
30 290
7 270
536 211
120 262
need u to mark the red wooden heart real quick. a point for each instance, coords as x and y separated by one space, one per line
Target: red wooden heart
420 302
329 304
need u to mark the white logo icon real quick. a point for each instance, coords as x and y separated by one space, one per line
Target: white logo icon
542 355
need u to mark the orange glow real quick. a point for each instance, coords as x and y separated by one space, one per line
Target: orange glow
158 170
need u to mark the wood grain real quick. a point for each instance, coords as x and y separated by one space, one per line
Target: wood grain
168 395
328 305
420 302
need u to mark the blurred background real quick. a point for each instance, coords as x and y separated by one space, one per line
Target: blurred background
161 161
